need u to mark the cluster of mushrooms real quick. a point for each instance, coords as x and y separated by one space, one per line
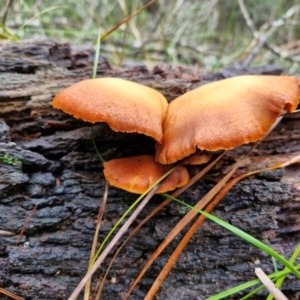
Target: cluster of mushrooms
217 116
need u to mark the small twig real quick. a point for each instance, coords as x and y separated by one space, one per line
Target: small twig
6 9
269 285
6 233
107 33
248 19
26 224
132 25
261 37
95 241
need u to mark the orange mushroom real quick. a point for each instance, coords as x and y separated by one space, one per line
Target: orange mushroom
225 114
136 174
126 106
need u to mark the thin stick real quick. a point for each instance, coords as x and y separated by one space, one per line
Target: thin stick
107 33
6 233
95 240
261 37
6 9
269 285
26 224
248 19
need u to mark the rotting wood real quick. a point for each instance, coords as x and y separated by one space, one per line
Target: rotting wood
44 153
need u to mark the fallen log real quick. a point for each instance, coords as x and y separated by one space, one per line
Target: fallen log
48 164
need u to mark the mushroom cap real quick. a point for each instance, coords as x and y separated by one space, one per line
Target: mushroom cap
225 114
126 106
136 174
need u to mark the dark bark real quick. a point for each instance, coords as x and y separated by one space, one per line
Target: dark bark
47 159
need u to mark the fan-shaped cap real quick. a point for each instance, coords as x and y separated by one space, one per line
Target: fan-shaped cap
225 114
136 174
126 106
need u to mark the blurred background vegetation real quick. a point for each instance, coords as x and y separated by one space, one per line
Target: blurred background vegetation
209 34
